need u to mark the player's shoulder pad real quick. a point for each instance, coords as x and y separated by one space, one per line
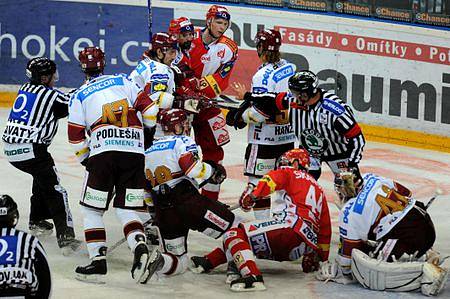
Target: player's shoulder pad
229 42
331 103
281 73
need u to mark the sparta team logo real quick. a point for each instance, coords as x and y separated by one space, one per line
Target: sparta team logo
314 142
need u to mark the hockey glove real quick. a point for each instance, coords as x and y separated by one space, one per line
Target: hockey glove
219 174
234 119
310 262
247 200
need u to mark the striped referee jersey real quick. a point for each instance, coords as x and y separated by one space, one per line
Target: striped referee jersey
24 268
328 129
34 115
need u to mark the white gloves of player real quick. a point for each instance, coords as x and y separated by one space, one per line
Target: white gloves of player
331 271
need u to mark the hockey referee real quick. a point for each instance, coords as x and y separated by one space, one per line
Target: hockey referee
31 126
323 123
24 270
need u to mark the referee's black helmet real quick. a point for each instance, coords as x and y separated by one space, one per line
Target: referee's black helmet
304 82
38 67
9 215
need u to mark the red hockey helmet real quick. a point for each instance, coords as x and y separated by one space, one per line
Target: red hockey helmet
217 11
174 121
268 40
164 41
92 60
289 158
180 25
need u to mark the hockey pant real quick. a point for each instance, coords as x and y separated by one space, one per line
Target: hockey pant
211 134
95 233
183 209
49 199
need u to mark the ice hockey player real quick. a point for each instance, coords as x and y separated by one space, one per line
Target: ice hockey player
301 230
267 140
32 125
212 58
385 238
24 269
172 166
112 111
183 30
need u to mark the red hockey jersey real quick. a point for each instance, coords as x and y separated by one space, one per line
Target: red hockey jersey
306 205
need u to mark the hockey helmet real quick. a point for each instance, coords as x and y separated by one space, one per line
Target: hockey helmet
9 214
268 40
217 11
38 67
180 25
174 121
297 158
347 185
303 85
92 60
163 41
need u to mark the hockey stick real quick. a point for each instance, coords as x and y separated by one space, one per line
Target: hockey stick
436 194
150 20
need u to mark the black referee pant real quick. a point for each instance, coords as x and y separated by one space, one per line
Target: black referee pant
48 199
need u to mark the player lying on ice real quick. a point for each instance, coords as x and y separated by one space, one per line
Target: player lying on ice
385 238
301 229
172 166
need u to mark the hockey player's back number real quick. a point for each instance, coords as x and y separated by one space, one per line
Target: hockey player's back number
110 112
162 174
394 201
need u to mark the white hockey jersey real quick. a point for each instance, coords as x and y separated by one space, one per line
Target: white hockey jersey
377 208
272 77
105 108
173 158
159 75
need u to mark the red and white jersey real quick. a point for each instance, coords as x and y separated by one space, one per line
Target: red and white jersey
377 208
173 158
272 77
306 207
158 75
213 63
106 109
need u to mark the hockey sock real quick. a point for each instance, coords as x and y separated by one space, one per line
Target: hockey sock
94 230
211 191
132 226
216 257
235 242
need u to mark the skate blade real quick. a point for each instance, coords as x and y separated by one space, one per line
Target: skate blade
151 267
91 278
141 274
232 277
240 287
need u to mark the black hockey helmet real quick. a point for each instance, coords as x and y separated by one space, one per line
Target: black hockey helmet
9 215
304 82
38 67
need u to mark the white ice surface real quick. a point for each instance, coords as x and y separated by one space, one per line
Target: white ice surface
421 170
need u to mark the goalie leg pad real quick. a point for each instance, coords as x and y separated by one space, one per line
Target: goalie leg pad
385 276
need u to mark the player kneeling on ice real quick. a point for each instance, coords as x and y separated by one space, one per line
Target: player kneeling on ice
172 167
301 229
385 238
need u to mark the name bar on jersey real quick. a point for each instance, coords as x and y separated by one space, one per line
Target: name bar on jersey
93 88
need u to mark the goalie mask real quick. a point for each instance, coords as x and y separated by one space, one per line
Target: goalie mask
347 185
174 121
296 158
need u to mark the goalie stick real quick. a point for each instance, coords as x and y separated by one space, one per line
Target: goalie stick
436 194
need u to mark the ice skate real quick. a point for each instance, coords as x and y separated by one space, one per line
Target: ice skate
95 272
140 263
232 272
41 228
68 244
200 264
248 284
